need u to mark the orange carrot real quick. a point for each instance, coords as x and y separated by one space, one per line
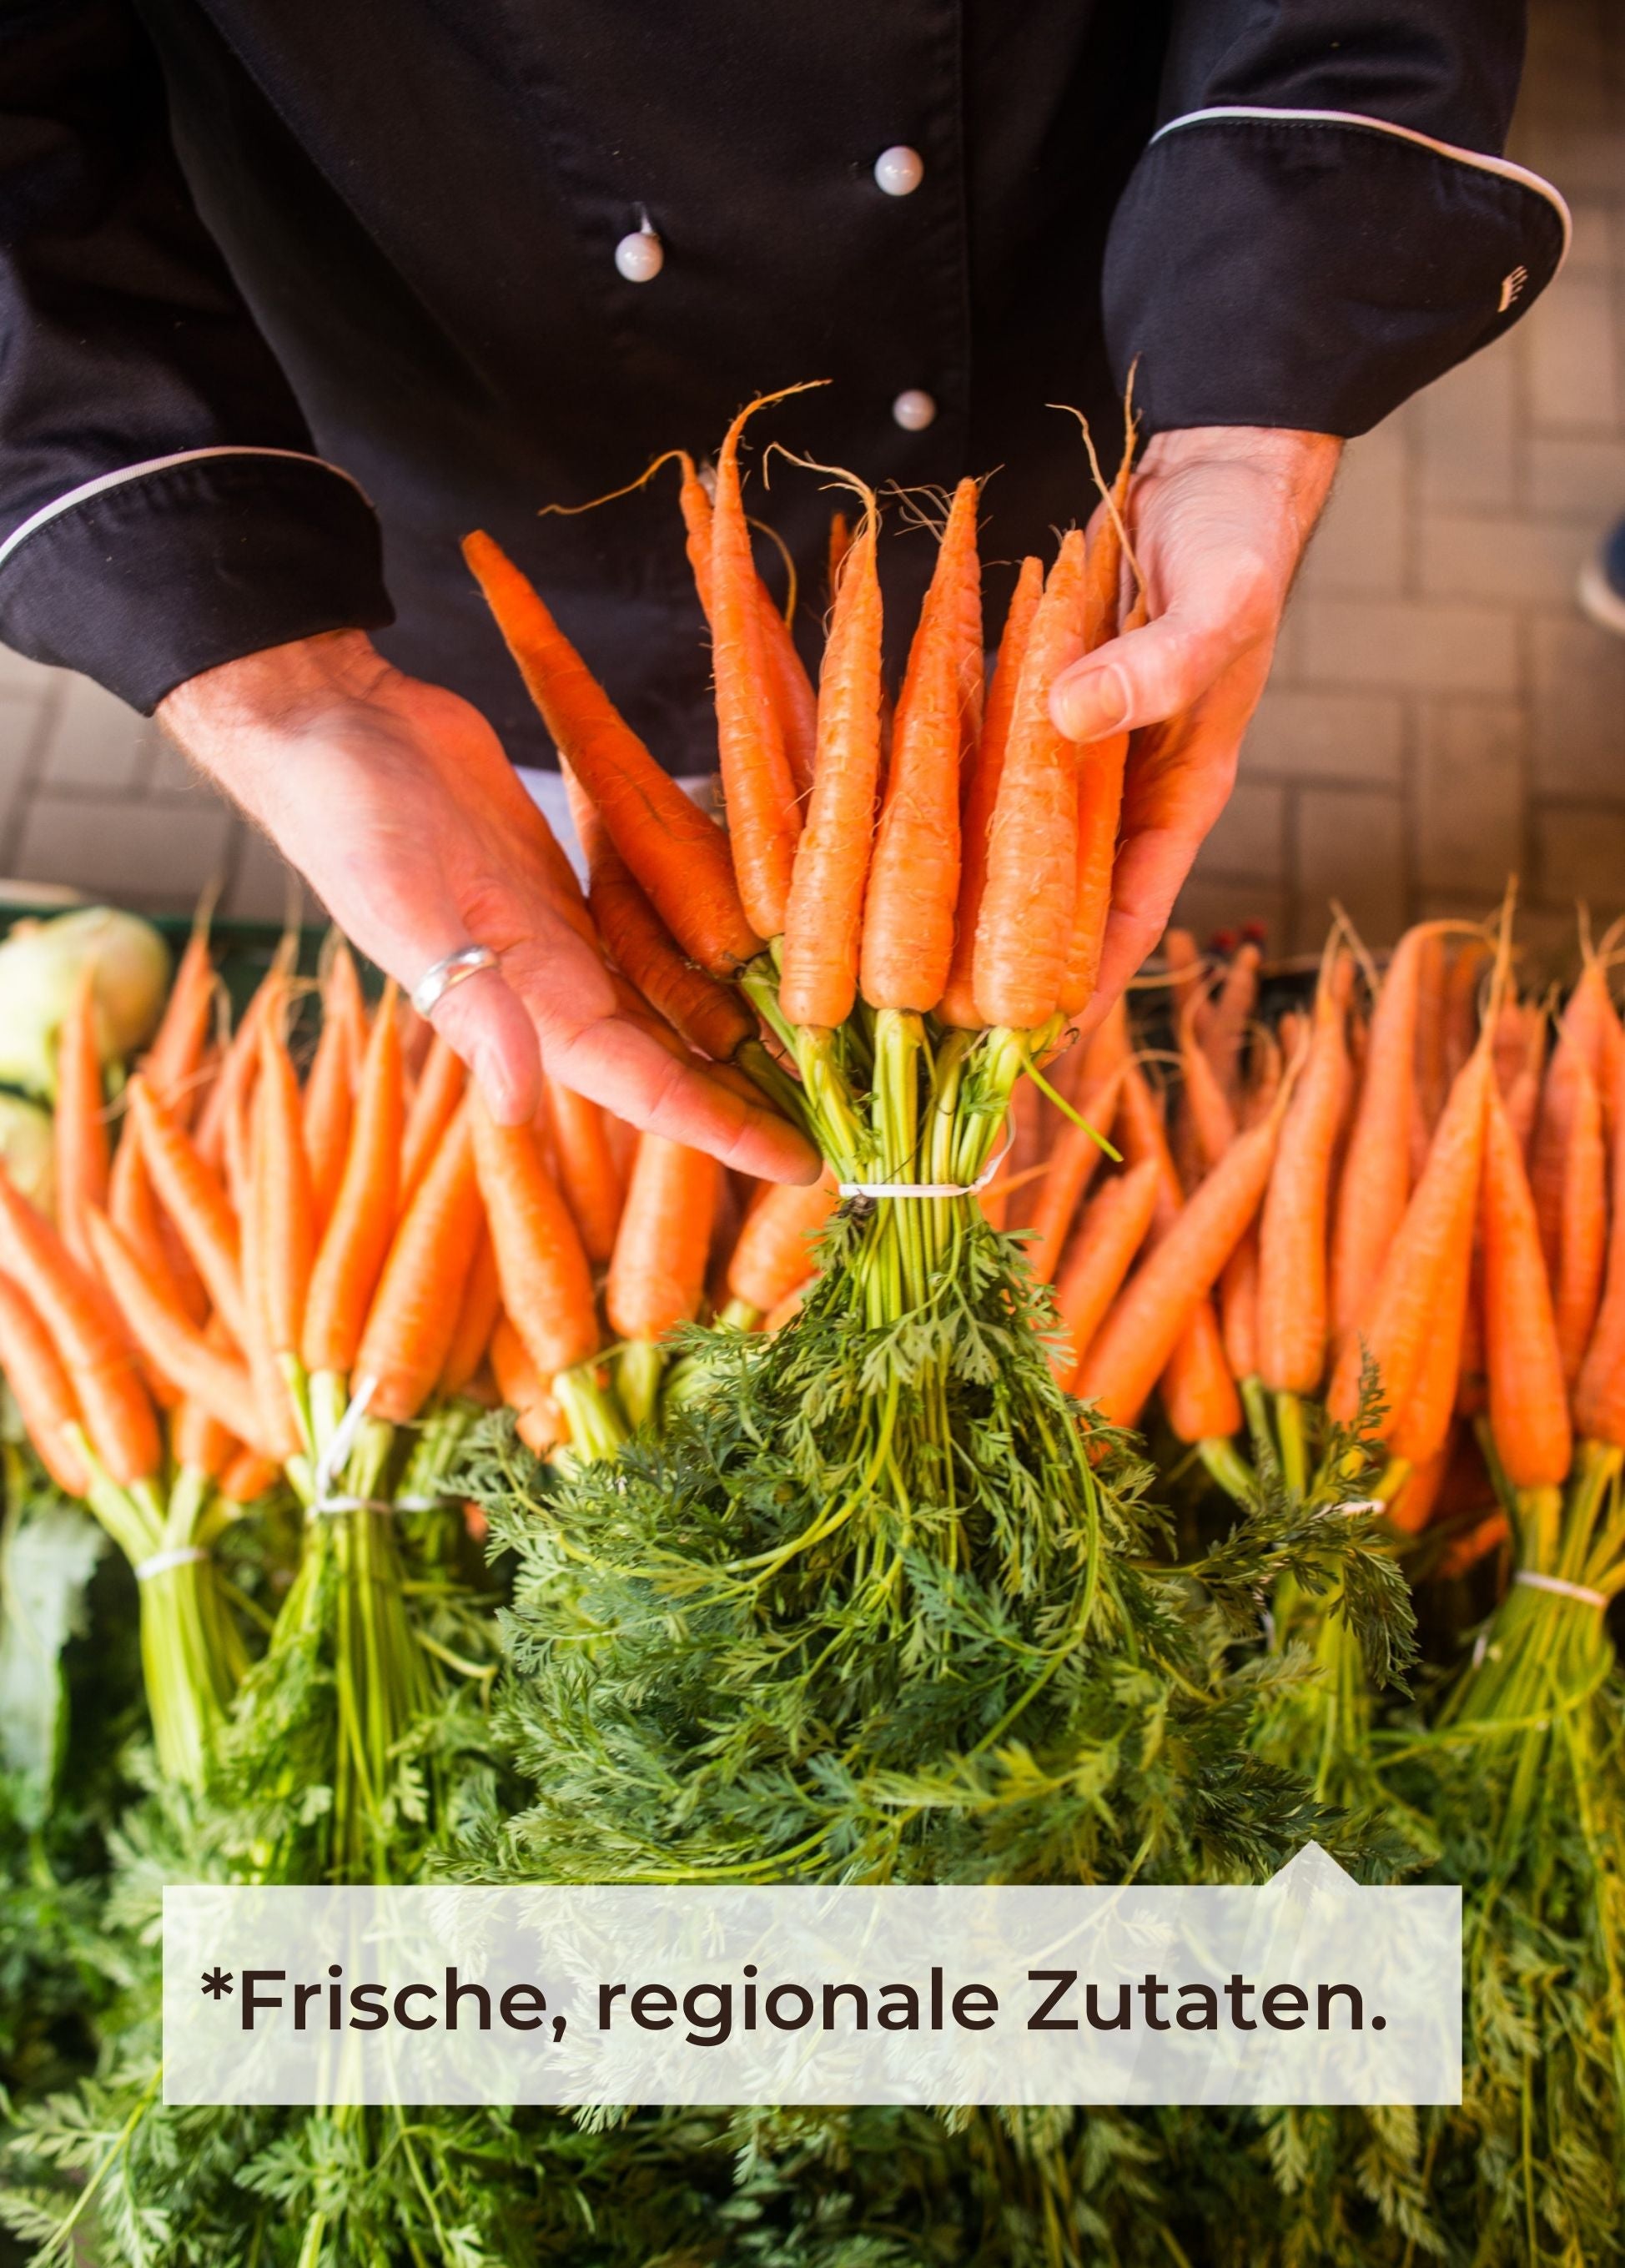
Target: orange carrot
476 1320
173 1063
710 1015
546 1288
1430 1075
133 1208
239 1065
1072 1164
86 1324
219 1381
287 1226
823 921
839 544
1102 766
1425 1254
1578 1054
41 1389
80 1131
249 1476
1599 1390
434 1105
1185 967
913 873
1207 1116
584 1167
981 793
1412 1508
1528 1397
198 1442
1292 1307
1024 928
1133 1348
1459 1016
193 1199
1417 1431
330 1089
658 1273
1231 1012
1113 1227
1199 1397
679 857
1583 1234
787 1310
359 1229
1377 1173
1238 1307
541 1420
790 690
763 818
773 1253
412 1317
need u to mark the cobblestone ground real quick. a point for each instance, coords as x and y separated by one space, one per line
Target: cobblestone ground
1441 715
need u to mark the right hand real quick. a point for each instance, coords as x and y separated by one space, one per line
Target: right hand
394 801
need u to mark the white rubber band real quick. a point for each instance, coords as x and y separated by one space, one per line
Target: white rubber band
323 1506
184 1555
326 1496
424 1503
930 1189
1563 1589
1363 1504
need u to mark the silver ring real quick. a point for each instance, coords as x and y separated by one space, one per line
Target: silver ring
451 970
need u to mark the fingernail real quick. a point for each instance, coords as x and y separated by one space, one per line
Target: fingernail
1086 704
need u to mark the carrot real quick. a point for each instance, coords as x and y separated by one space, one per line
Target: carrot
173 1064
773 1253
1599 1390
80 1129
823 917
914 872
1231 1012
1185 967
287 1225
834 557
790 690
1416 1432
1377 1172
1207 1117
1458 1015
1432 1242
193 1199
1102 766
198 1442
414 1314
41 1389
330 1089
248 1476
657 1275
1199 1397
87 1325
1528 1397
541 1420
1583 1233
985 768
1412 1508
1072 1164
1113 1227
709 1016
763 818
1292 1304
218 1380
240 1066
133 1208
434 1105
787 1310
1238 1307
1134 1348
1263 1079
1579 1053
476 1320
546 1288
357 1238
1430 1074
679 857
584 1167
1024 928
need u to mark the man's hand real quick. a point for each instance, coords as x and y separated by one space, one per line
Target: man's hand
1218 517
394 801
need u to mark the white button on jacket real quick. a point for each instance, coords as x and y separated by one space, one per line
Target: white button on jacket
900 170
914 409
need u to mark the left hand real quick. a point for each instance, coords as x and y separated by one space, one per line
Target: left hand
1219 516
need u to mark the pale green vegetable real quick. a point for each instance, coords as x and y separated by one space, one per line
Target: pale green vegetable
40 966
26 1149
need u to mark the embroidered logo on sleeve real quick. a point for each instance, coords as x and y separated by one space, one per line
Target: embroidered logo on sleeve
1511 288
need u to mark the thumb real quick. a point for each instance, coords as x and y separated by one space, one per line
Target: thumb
1141 677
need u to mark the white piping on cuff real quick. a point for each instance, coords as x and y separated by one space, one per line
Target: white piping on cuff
103 481
1477 159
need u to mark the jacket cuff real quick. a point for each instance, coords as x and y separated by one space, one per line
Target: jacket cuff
153 573
1314 268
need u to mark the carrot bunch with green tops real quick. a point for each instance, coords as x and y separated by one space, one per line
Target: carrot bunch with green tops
905 912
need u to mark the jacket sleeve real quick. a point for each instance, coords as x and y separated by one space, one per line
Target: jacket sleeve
161 507
1322 221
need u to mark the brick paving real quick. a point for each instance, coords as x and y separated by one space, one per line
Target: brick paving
1440 716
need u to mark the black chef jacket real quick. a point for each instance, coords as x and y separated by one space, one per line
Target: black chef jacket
296 291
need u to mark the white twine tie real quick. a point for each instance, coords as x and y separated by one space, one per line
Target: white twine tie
183 1554
931 1188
